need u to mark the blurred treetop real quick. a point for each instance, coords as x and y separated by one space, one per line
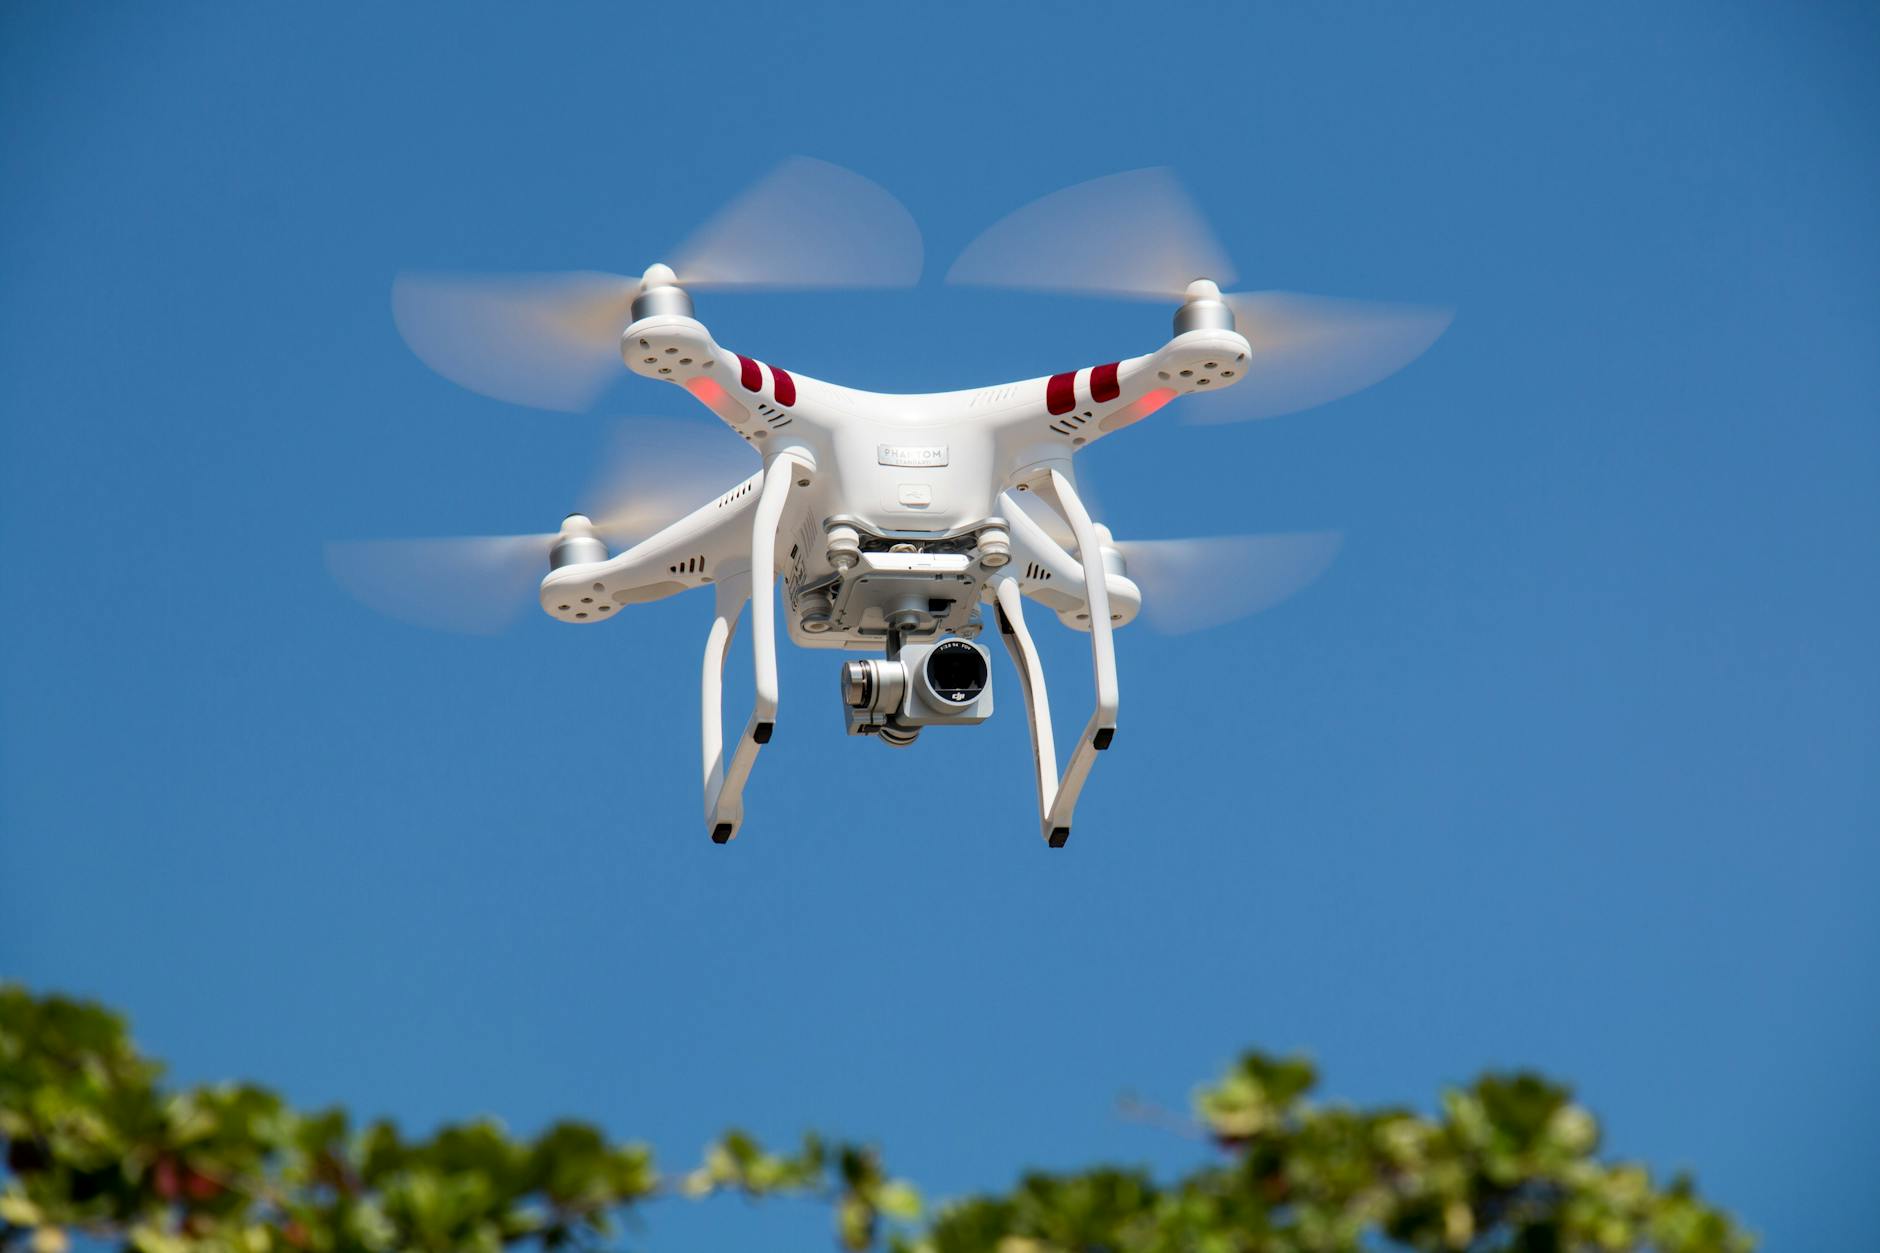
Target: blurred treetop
97 1145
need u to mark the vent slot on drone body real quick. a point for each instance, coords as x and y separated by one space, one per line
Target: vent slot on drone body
805 544
691 565
1068 425
733 497
776 417
1036 572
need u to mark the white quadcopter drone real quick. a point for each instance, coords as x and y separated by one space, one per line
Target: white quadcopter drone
898 524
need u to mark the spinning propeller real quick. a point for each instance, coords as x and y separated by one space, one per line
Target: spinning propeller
1197 583
553 340
1137 235
1193 584
653 473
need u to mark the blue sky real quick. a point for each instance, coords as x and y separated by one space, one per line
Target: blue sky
1569 761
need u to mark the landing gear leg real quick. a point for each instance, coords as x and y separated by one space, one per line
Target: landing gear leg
1057 795
724 783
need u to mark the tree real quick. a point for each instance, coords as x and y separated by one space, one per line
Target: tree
97 1144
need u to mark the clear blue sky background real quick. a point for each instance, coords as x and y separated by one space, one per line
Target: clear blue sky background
1569 762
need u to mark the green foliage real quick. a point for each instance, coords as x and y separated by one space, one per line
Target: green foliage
1508 1166
95 1143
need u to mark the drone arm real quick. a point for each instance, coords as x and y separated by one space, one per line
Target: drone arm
724 787
1074 409
692 552
752 398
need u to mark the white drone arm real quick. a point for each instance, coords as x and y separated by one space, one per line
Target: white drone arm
750 397
1079 407
1053 577
688 553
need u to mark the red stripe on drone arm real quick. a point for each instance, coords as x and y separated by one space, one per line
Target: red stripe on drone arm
1103 384
750 374
1060 394
785 386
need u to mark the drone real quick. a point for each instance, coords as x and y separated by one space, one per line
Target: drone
907 527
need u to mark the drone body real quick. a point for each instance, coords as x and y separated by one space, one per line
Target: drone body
903 525
890 519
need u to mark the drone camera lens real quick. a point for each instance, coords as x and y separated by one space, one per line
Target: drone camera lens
956 672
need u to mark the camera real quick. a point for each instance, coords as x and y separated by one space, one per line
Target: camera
945 683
